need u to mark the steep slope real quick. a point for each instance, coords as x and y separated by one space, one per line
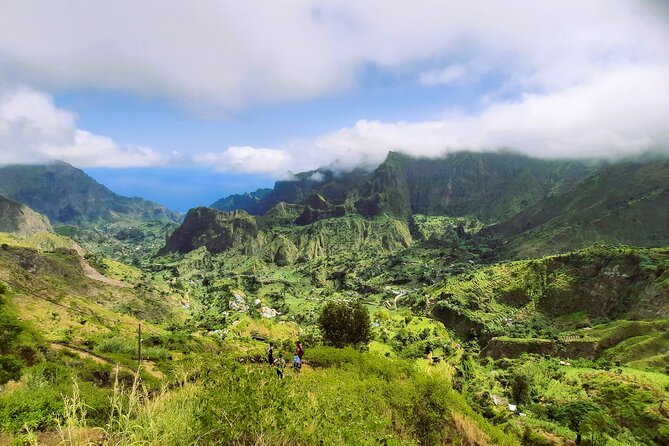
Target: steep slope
490 186
249 202
42 281
622 203
20 220
65 194
535 298
242 233
335 187
215 230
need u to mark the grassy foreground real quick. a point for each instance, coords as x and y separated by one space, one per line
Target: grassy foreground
342 397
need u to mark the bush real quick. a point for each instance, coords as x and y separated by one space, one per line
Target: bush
30 408
10 368
39 408
345 324
531 438
10 328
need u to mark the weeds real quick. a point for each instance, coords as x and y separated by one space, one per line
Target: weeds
71 427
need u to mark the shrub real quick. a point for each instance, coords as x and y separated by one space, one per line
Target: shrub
10 328
345 324
10 368
531 438
30 408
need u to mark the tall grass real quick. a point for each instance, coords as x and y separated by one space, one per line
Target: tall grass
73 423
162 419
353 399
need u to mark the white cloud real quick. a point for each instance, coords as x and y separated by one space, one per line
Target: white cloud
577 78
33 129
91 150
444 76
246 159
236 54
620 114
317 177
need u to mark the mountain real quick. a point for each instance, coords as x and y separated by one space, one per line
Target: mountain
18 219
490 186
237 231
66 195
477 186
215 230
626 202
250 202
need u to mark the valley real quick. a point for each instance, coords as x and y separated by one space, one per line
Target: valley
511 301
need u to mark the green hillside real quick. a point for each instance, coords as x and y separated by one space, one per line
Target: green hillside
549 305
622 203
66 195
464 347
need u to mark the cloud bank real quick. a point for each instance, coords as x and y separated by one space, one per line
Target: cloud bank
574 78
33 129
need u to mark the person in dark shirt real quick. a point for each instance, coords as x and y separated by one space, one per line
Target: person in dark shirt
270 354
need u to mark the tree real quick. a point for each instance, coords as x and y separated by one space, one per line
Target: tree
522 388
574 415
345 324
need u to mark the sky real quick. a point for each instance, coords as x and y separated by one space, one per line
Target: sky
186 102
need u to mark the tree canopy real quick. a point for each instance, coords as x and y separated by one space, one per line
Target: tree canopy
345 324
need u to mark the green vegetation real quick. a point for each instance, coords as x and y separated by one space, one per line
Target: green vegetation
128 240
624 202
417 331
345 324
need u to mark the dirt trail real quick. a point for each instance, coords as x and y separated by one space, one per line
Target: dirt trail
80 353
148 366
92 273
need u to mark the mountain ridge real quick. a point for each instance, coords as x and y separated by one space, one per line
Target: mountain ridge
66 194
625 202
404 185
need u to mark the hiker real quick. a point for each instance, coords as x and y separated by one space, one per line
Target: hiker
270 354
280 364
297 357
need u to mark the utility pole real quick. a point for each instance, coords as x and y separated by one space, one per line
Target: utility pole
139 346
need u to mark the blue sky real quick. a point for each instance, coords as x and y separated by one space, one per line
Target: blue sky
179 188
184 103
166 127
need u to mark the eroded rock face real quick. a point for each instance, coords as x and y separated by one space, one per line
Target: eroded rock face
18 219
222 231
491 186
499 348
215 230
